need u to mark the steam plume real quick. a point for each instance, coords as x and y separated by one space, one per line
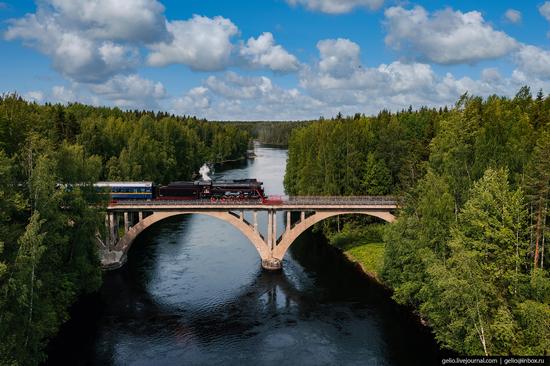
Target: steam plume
204 170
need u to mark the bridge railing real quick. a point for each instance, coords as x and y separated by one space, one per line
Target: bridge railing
285 200
340 199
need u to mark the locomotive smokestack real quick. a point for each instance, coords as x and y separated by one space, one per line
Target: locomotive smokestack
204 170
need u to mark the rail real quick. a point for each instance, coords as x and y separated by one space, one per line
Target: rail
284 201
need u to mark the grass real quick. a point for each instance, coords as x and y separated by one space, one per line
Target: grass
362 244
369 255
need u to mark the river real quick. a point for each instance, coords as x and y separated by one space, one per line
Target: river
193 293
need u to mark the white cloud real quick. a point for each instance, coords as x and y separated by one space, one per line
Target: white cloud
544 10
34 95
337 6
533 61
445 37
491 75
130 91
399 84
262 52
73 53
339 57
236 97
235 86
194 102
136 20
202 43
408 78
61 94
513 16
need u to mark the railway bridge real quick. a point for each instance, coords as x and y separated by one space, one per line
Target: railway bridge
125 220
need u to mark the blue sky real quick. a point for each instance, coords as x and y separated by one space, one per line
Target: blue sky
271 59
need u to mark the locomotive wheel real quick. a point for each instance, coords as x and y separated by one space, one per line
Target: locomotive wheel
213 199
222 199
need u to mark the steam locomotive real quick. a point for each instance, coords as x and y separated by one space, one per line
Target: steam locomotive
237 189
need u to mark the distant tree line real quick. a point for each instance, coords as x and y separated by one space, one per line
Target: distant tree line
47 235
270 132
468 248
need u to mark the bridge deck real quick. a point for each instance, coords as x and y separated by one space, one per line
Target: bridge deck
294 203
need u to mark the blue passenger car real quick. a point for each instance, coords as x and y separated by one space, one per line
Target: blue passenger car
127 190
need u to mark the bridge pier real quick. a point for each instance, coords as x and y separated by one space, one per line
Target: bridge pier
272 264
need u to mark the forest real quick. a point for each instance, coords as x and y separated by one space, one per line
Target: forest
467 252
47 235
270 132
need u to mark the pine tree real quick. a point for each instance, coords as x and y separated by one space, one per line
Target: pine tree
538 190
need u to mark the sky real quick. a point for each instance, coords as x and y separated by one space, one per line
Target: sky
271 59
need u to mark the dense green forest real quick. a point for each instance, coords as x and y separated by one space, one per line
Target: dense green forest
467 251
270 133
47 247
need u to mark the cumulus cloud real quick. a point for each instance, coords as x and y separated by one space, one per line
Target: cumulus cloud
262 52
34 95
399 84
61 94
232 96
368 90
544 10
130 91
90 41
533 61
446 36
73 51
235 86
202 43
137 20
337 6
339 57
513 16
194 102
375 87
490 75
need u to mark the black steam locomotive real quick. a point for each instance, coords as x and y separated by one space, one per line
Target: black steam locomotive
237 189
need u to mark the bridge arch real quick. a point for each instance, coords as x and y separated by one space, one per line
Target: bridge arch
291 235
124 244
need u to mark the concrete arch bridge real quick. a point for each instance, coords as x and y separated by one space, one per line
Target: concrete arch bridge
137 216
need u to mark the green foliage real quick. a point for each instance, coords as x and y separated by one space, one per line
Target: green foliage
469 296
270 133
376 177
363 155
370 256
467 250
47 234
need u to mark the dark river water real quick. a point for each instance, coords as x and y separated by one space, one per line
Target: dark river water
193 293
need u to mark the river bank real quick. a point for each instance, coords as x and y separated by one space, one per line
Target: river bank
368 260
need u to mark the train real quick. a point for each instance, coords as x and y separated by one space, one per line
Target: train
213 190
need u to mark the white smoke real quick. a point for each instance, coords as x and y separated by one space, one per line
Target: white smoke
204 170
